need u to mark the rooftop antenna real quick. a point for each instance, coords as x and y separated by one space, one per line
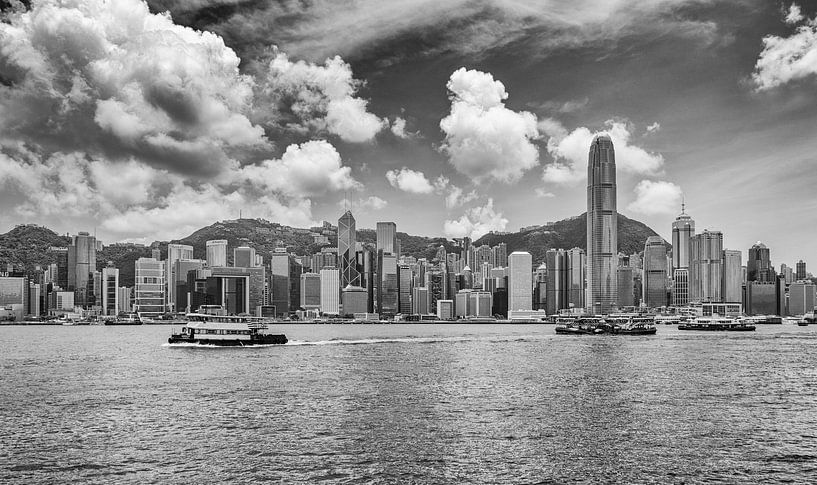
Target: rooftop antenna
683 204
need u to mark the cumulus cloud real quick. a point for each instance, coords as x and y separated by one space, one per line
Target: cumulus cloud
793 15
787 59
311 169
653 128
409 180
456 197
484 140
398 129
365 204
321 97
114 78
110 113
476 222
657 197
570 151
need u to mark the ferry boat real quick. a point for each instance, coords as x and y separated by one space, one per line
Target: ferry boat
717 324
126 319
618 324
212 326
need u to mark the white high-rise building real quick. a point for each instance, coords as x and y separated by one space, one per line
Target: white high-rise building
330 291
216 253
520 281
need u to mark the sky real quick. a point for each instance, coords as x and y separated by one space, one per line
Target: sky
146 121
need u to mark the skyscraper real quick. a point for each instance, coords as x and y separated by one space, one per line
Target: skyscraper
110 290
602 226
520 281
81 266
330 291
732 291
800 274
175 252
216 253
310 291
347 239
682 231
558 276
654 276
706 271
578 275
759 265
244 257
149 287
386 237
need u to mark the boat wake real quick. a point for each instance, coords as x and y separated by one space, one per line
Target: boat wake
192 345
418 340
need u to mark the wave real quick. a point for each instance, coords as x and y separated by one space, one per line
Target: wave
419 340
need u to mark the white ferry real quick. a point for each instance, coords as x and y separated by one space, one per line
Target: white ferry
212 326
716 323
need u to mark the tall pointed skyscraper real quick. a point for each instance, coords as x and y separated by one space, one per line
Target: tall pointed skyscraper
602 226
347 240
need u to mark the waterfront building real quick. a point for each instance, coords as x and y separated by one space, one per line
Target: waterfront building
354 300
765 297
61 302
330 291
244 257
682 231
462 307
706 271
149 289
445 309
520 281
558 281
759 265
602 226
680 287
404 276
800 273
81 267
310 291
624 287
420 301
540 280
125 300
238 290
480 304
175 252
387 294
347 247
577 277
387 237
801 297
216 253
181 268
285 281
654 273
732 281
14 294
110 290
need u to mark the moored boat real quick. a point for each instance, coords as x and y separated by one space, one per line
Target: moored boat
211 326
617 324
717 324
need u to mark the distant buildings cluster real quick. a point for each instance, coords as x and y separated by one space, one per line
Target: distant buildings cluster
361 281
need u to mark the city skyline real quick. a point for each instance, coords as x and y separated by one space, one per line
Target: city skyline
392 126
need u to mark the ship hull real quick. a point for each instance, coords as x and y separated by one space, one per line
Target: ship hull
718 328
270 339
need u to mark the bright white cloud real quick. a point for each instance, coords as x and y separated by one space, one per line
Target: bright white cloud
409 180
373 202
657 197
653 128
398 129
787 59
570 150
484 140
311 169
323 97
476 222
793 15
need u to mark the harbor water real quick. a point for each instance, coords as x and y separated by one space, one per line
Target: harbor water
409 404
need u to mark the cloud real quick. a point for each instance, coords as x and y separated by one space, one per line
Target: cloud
787 59
311 169
484 140
570 151
653 128
111 77
321 97
456 197
409 180
544 194
398 129
793 15
657 197
476 222
321 28
110 113
373 202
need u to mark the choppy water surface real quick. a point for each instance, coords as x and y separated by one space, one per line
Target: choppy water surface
409 403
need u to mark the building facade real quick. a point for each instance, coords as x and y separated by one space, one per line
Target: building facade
602 226
520 281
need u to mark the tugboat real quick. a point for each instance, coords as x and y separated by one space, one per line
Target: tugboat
212 326
717 324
